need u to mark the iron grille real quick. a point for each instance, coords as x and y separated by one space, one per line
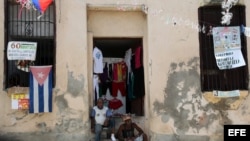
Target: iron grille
23 24
211 77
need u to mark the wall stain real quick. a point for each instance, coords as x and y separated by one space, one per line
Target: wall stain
42 126
75 86
244 110
183 100
68 119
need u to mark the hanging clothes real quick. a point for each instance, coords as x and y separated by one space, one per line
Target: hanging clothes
98 60
115 103
96 87
139 87
119 71
119 78
127 59
138 73
121 86
130 86
104 76
105 80
138 57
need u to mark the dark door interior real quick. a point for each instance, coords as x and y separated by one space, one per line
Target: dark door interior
116 48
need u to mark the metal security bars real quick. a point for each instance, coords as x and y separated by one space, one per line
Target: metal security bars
23 24
212 78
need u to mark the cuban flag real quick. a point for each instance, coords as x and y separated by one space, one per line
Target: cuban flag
40 92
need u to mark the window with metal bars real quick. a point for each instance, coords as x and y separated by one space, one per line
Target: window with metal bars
212 78
24 24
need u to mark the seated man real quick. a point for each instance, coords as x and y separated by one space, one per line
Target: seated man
126 131
101 116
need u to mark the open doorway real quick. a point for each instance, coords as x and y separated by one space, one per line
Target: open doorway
121 83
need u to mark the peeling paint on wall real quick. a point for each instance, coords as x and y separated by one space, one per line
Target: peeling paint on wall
70 117
75 86
184 103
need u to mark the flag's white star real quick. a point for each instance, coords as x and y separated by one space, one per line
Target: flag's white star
40 75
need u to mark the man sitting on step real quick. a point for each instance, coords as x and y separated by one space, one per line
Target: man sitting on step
101 116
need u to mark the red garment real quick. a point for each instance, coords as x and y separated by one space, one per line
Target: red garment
115 72
115 103
138 62
118 86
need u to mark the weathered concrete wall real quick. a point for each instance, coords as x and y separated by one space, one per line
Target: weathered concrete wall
176 110
69 119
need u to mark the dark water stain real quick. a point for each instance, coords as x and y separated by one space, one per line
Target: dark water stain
75 86
61 103
183 90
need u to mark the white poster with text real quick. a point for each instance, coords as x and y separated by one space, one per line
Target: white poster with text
18 50
227 47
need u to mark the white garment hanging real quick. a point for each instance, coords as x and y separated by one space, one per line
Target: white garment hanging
96 86
127 59
98 60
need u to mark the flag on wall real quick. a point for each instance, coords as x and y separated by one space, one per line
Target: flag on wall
40 89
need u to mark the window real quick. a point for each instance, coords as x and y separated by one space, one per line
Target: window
213 78
24 25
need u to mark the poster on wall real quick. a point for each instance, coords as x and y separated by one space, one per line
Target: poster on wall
227 47
19 50
19 101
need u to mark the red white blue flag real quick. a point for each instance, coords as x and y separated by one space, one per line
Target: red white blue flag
40 93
